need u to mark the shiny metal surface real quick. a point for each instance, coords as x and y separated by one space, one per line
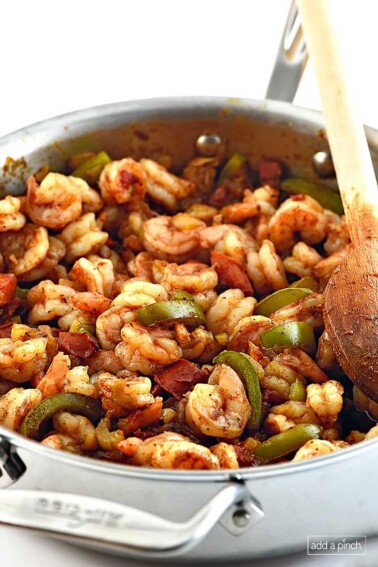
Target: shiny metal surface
323 164
129 529
207 145
298 499
290 61
11 466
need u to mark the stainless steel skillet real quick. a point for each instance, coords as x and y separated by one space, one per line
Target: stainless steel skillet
194 515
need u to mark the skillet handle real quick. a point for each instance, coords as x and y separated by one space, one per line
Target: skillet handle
93 521
290 62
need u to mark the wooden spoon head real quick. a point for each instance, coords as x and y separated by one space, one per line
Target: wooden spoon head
351 316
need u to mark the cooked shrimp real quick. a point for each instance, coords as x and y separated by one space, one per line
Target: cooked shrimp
142 266
302 261
202 172
106 253
202 212
164 187
240 212
324 269
55 202
266 199
61 443
49 301
119 396
94 274
308 310
337 236
170 451
297 412
108 439
146 349
175 239
325 355
104 361
206 299
10 216
229 239
193 277
199 344
277 423
59 378
90 302
123 181
247 330
221 407
300 362
301 215
266 269
278 377
110 323
55 254
227 310
82 236
138 293
357 436
16 404
226 455
326 400
141 417
78 428
372 433
135 293
315 448
24 250
21 361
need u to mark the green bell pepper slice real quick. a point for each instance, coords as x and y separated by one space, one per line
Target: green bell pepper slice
232 166
75 403
78 326
288 441
297 391
175 311
307 283
279 299
326 197
90 170
291 334
245 367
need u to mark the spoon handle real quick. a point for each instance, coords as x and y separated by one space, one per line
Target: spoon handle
350 152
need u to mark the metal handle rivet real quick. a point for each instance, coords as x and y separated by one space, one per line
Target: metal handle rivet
323 164
207 145
241 518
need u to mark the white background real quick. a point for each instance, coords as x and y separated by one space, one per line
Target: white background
60 56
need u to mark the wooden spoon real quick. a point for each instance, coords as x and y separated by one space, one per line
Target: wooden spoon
351 296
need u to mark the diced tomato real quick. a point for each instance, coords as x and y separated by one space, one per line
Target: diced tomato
157 390
78 344
8 284
245 457
179 377
219 196
270 172
231 273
